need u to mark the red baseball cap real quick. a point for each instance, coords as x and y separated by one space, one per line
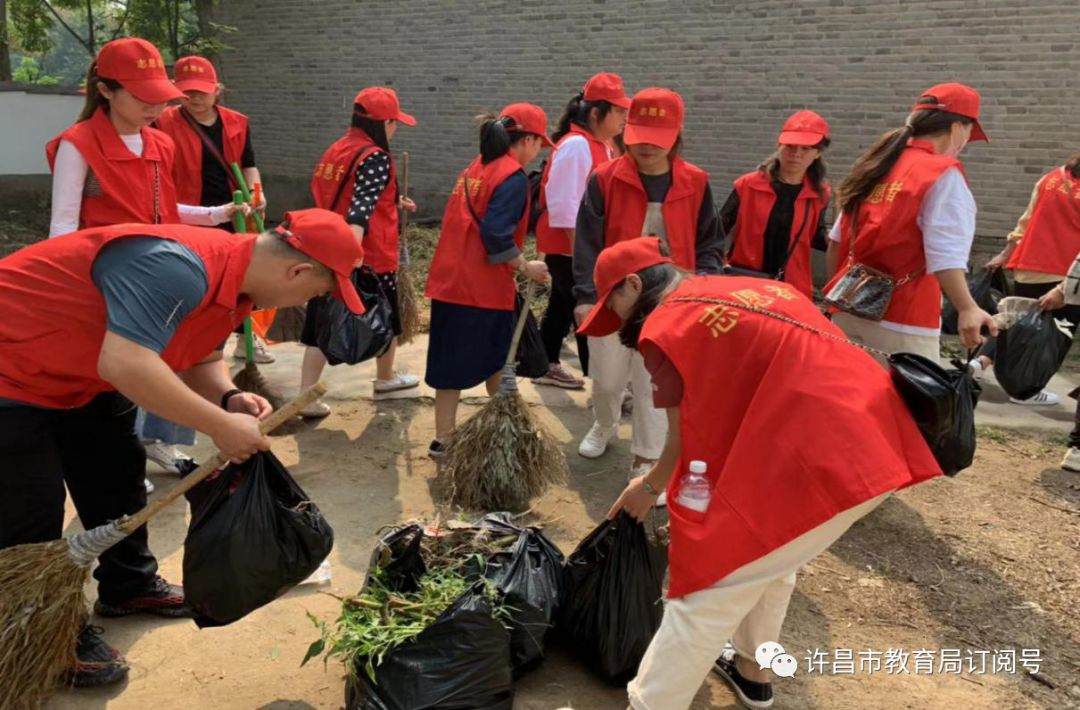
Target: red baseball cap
139 68
606 86
612 267
195 74
954 98
528 118
655 117
325 237
804 128
381 103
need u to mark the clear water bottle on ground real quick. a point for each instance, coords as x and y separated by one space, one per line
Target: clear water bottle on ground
696 489
320 575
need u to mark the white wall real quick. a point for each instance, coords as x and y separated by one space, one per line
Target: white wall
27 123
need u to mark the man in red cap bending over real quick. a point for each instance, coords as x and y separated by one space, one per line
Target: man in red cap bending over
141 310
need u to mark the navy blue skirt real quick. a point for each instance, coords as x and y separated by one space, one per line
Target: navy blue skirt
466 345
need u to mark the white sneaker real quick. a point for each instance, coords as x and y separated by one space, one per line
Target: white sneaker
167 457
149 486
595 442
1042 399
399 381
1071 462
316 410
261 354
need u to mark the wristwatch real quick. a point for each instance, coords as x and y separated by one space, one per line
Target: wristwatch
648 487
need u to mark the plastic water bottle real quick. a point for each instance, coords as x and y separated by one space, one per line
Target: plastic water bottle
320 575
696 489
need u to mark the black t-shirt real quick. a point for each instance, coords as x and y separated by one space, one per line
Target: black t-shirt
778 237
215 181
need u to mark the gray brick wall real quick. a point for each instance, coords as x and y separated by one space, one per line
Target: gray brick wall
741 66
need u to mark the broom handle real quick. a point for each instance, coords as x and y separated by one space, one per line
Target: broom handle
403 249
130 523
520 328
240 225
238 217
239 175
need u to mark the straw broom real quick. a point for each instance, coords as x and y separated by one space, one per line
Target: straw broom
503 456
408 302
250 379
42 607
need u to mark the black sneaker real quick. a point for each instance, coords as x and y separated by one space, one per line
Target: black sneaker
161 599
436 449
96 662
749 693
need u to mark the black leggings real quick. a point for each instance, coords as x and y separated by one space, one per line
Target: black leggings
559 317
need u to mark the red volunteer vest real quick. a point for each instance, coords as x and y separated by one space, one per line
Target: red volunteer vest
460 272
785 452
890 239
381 236
120 185
187 170
625 205
48 292
1052 238
756 201
553 240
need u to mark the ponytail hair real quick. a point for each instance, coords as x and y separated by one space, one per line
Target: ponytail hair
94 98
374 128
873 165
1072 166
495 136
577 113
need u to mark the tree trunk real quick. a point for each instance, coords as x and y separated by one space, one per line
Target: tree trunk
5 45
204 12
91 43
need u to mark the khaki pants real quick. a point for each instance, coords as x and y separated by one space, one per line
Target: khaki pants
611 366
748 606
871 334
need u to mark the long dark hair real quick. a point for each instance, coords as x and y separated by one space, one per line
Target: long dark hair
374 128
1072 166
873 165
577 113
94 98
816 172
495 139
655 281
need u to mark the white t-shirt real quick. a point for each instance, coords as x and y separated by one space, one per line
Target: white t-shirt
567 179
947 220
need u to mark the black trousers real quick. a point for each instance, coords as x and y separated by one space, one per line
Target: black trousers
559 317
94 450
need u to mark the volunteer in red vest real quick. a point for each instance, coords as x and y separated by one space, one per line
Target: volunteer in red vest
1066 298
472 283
139 304
356 178
209 139
907 212
650 190
1040 251
776 214
583 138
759 482
111 167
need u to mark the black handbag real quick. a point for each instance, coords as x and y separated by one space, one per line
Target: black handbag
347 338
942 402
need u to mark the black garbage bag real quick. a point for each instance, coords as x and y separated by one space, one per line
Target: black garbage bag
611 605
398 559
532 359
942 401
1029 353
986 287
254 535
460 662
344 337
529 576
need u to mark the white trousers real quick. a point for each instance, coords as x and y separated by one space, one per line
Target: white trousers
748 606
611 366
874 335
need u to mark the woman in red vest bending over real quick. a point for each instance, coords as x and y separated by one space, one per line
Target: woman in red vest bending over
747 510
582 143
650 190
471 283
907 212
1040 251
776 214
357 179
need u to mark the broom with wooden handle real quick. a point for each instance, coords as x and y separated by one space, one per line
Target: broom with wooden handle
408 299
503 456
42 607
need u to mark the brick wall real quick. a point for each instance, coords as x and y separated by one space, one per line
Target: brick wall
742 67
